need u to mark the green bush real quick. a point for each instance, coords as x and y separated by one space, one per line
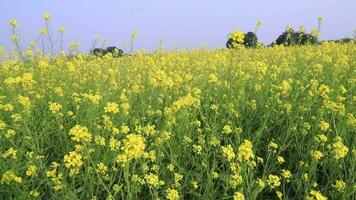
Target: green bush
291 37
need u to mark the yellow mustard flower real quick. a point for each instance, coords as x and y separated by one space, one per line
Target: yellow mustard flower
80 134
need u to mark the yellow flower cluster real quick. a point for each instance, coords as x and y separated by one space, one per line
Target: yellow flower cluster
227 129
46 16
340 185
238 38
172 194
54 107
339 149
10 176
2 125
31 171
25 102
228 152
183 102
133 147
73 161
101 168
324 126
153 180
245 151
316 195
55 176
316 154
10 153
112 107
274 181
80 134
239 196
286 174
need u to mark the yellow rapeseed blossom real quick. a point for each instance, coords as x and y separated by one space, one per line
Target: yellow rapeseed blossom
228 152
339 185
321 138
133 147
351 121
315 195
215 175
93 98
183 102
55 176
197 149
280 159
54 107
99 140
213 78
339 149
177 179
273 181
31 171
153 180
272 146
46 16
62 29
227 129
10 133
14 23
172 194
111 107
80 134
34 193
286 174
43 31
245 152
101 168
15 38
73 161
279 194
260 183
324 126
114 144
195 184
239 196
24 101
10 153
2 125
10 176
237 38
316 154
235 180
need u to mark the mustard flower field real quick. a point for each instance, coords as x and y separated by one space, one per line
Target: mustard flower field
265 123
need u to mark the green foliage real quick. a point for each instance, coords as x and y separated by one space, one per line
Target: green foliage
291 37
113 50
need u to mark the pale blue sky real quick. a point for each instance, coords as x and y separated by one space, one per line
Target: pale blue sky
186 23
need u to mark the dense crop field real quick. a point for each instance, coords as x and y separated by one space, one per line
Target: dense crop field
270 123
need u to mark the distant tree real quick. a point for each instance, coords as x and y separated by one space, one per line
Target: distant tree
291 37
114 51
240 39
346 40
98 51
343 40
250 40
307 38
229 44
